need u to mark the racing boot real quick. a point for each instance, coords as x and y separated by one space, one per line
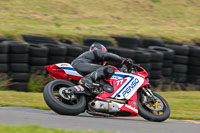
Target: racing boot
101 73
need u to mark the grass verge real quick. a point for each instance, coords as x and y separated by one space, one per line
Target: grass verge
39 129
183 104
176 20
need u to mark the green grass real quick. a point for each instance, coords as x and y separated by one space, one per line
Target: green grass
176 20
39 129
184 105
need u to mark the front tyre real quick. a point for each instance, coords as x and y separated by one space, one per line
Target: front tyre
60 105
158 111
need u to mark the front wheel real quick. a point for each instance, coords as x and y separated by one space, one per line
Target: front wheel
157 111
59 104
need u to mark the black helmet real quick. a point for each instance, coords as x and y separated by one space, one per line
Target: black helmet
96 46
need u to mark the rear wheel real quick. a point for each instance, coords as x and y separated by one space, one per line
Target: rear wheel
61 104
157 111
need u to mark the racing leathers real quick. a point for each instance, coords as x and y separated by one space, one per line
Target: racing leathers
89 64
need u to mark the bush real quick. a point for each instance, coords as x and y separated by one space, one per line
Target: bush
5 81
37 82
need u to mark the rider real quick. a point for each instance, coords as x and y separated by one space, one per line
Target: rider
91 64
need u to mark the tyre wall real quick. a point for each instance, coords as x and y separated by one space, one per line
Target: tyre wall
165 63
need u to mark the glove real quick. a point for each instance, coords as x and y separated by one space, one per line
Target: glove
128 62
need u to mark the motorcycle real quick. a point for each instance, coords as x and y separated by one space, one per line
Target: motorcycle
126 93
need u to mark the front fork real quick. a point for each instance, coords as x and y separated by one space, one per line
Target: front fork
149 93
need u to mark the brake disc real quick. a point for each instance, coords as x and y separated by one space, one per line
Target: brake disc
157 106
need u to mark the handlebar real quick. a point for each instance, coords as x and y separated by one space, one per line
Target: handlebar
129 70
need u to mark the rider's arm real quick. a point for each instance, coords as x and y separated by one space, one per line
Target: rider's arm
109 57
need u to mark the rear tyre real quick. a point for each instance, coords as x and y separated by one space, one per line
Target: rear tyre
60 105
152 115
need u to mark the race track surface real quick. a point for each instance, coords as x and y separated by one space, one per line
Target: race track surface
29 116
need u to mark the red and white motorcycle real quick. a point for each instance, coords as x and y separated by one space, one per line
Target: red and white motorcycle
130 94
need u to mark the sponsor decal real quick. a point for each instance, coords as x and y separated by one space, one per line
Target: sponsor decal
115 77
131 108
101 104
77 88
81 87
63 65
130 87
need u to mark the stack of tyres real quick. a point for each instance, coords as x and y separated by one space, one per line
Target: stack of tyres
38 57
56 53
156 64
143 58
123 52
194 65
18 64
73 51
3 58
167 65
180 62
35 39
146 42
88 41
127 41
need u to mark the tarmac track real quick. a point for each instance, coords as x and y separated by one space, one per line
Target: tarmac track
30 116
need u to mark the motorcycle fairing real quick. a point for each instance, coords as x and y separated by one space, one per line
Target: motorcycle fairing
125 85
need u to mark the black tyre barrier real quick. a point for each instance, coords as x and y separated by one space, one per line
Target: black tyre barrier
166 72
167 63
146 66
168 53
56 59
156 74
194 61
155 82
178 59
20 77
17 47
156 65
167 80
180 77
127 41
40 61
142 56
19 86
37 69
69 59
194 70
3 68
56 50
146 42
88 41
3 58
19 67
66 40
127 53
179 50
3 48
38 39
177 68
4 39
84 48
18 58
194 51
73 50
193 79
156 56
38 50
